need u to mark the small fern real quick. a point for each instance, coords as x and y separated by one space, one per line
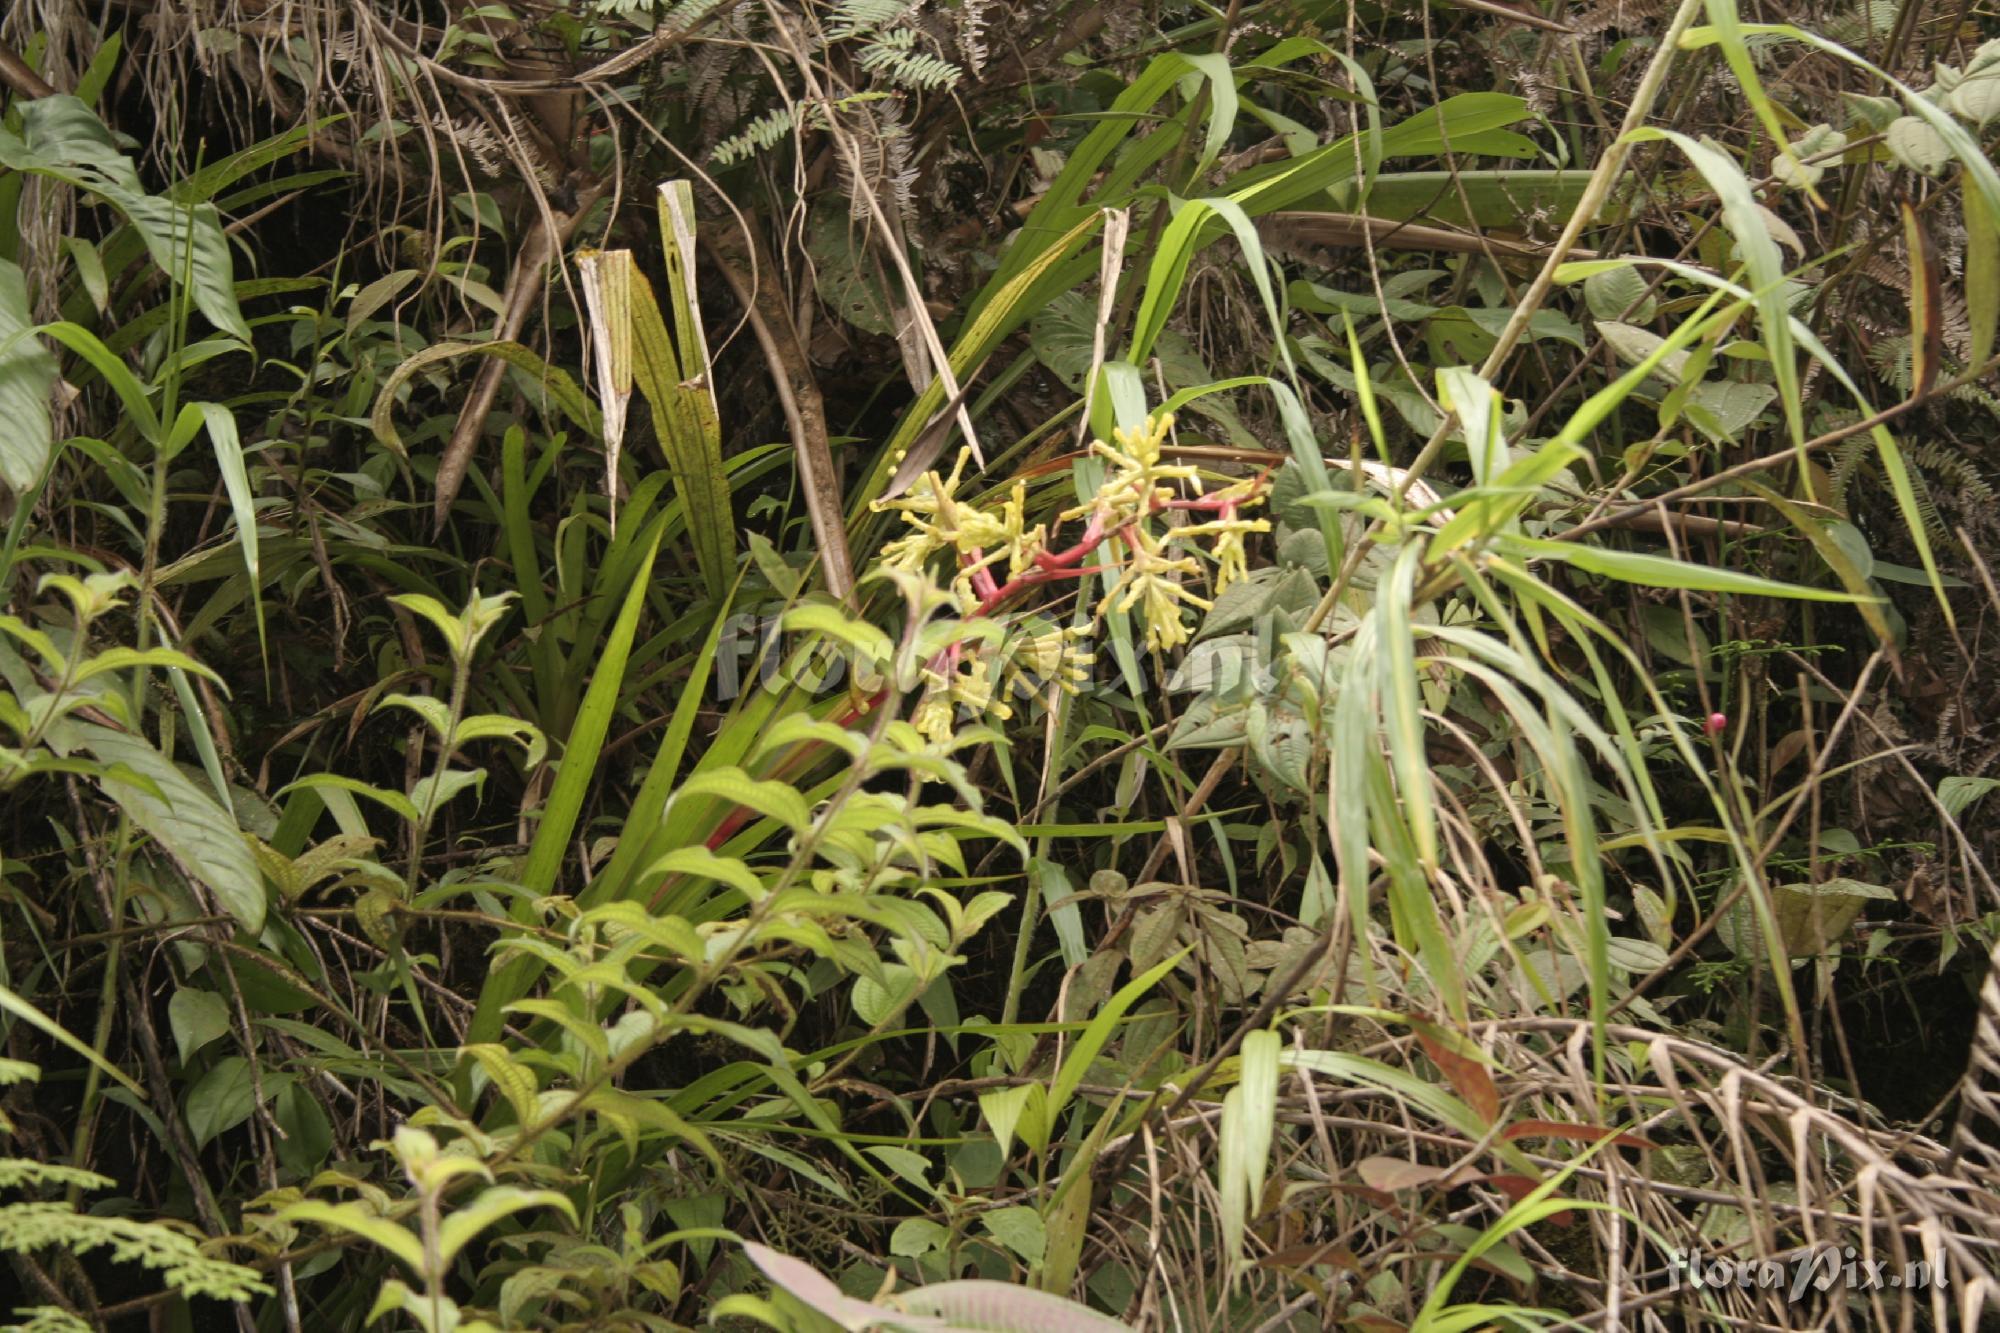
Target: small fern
20 1173
1950 465
852 18
27 1227
972 34
894 57
759 136
30 1226
889 52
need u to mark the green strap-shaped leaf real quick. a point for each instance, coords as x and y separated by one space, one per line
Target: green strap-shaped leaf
1982 274
579 762
690 434
1077 1063
1658 571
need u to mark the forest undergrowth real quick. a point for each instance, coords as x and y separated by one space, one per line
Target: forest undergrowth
925 665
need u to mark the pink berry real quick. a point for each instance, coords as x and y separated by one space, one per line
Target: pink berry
1716 723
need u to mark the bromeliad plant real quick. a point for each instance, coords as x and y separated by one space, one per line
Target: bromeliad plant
1131 510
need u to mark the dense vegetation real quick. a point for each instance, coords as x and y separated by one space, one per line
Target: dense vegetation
923 664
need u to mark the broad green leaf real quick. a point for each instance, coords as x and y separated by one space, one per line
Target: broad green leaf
1021 1111
62 138
1823 534
462 1224
700 863
1918 146
1020 1229
916 1236
1811 918
125 659
871 643
355 1219
224 1099
197 1018
1957 793
27 373
434 791
394 800
202 837
776 800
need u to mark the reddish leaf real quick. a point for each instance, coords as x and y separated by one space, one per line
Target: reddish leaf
1468 1077
1926 307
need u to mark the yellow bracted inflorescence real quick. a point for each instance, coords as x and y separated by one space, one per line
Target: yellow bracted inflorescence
1137 484
1230 558
1054 657
994 547
1152 578
969 684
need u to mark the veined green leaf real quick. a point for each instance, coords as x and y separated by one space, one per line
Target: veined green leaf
777 800
489 1206
27 373
353 1218
187 821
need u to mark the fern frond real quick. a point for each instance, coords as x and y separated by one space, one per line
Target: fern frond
19 1172
851 18
759 136
1949 465
893 58
972 34
26 1227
